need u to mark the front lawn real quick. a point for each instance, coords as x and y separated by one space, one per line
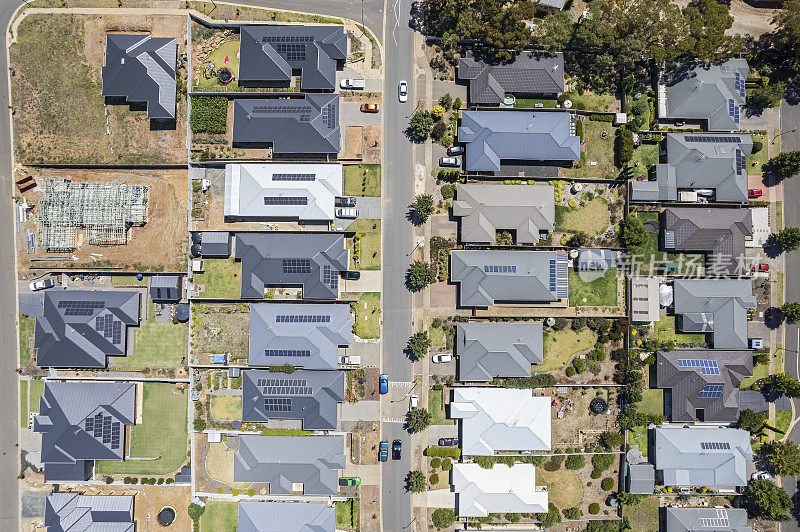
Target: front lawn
36 391
760 371
561 346
644 516
638 436
226 407
436 408
347 513
369 245
162 434
783 418
26 327
761 157
362 180
601 292
593 218
598 158
221 278
563 486
652 398
437 336
664 330
368 315
220 515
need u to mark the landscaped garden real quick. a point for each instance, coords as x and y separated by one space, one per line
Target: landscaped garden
599 292
362 180
367 315
221 279
592 217
561 346
365 246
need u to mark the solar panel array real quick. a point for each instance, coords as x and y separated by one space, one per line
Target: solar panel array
741 162
294 177
710 138
296 265
499 269
739 84
287 352
710 391
294 52
285 200
302 318
720 521
302 111
715 445
707 367
553 275
103 428
273 404
80 307
330 277
284 386
329 116
733 110
287 38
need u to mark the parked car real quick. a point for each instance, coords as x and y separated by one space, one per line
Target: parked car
350 360
455 150
350 481
761 267
345 201
448 442
754 193
346 212
402 91
384 383
351 275
441 358
41 284
396 449
383 452
353 84
450 161
760 474
370 107
414 403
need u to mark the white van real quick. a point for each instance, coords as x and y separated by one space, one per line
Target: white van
350 360
352 84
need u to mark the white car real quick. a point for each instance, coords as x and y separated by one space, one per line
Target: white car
41 284
402 91
352 84
761 474
450 161
414 404
441 358
346 212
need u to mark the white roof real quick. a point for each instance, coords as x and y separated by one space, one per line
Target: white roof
501 419
500 489
270 191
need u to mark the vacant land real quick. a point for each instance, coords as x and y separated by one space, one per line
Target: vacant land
593 218
563 486
560 346
221 329
59 111
368 316
362 180
221 279
220 515
436 408
600 292
664 330
26 328
226 407
598 159
369 245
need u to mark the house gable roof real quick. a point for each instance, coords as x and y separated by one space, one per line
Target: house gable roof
716 306
500 489
73 512
488 350
702 456
528 73
286 517
716 519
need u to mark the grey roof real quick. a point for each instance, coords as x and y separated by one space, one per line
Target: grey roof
486 277
314 461
286 517
718 306
302 335
270 53
641 478
719 232
529 210
165 287
215 243
707 519
517 135
310 260
73 512
78 420
695 376
648 190
528 74
756 401
595 259
282 191
644 299
308 125
141 68
556 4
702 456
710 92
488 350
311 396
79 328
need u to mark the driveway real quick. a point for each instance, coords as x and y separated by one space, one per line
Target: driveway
351 115
441 431
370 353
360 411
368 209
370 281
370 84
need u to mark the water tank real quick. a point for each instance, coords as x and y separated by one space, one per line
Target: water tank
182 313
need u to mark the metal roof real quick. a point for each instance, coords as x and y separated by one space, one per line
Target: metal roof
702 456
282 191
716 306
488 350
641 478
286 517
141 68
644 299
215 243
529 73
294 126
529 210
499 489
712 519
73 512
269 53
488 276
310 260
491 136
165 287
314 461
304 335
80 327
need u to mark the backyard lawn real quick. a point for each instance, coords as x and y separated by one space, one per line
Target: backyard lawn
601 292
638 436
530 103
644 516
783 418
590 101
598 157
26 328
226 407
648 257
563 485
369 244
155 345
128 280
646 155
161 435
436 408
221 278
652 398
219 465
227 49
368 314
362 180
665 331
220 515
560 346
593 218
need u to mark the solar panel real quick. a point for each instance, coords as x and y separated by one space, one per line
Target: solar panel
117 333
107 429
715 446
707 367
330 277
107 333
296 265
329 116
711 138
499 269
277 404
710 391
287 38
115 435
80 307
89 426
287 352
98 425
302 318
285 200
719 521
285 387
99 323
294 177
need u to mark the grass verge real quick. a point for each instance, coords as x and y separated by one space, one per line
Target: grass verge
23 404
362 180
27 325
436 408
368 316
783 418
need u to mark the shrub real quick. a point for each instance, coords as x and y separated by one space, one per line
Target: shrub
513 517
436 462
446 101
596 473
594 508
209 114
543 380
579 129
575 462
284 368
457 104
573 203
450 452
434 478
578 324
757 146
607 484
579 364
486 462
418 420
623 146
251 493
572 513
560 324
570 371
599 324
437 112
195 511
611 440
443 517
552 517
602 461
438 131
235 492
447 465
109 480
448 191
199 425
601 118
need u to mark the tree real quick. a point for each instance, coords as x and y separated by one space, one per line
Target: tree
457 104
613 440
572 513
791 312
784 457
199 424
418 420
438 131
634 233
783 48
443 517
765 96
513 517
706 39
763 498
195 511
420 274
503 238
785 164
446 101
751 421
437 112
594 508
416 482
418 345
423 206
420 126
575 462
554 31
789 238
623 146
630 499
783 383
552 516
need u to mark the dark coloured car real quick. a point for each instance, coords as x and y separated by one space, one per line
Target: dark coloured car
351 275
455 150
345 201
384 383
383 453
448 442
396 449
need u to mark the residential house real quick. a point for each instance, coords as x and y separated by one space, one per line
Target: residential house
307 336
714 306
255 516
698 519
527 212
501 419
307 465
500 489
80 328
74 512
549 5
310 260
488 350
165 288
81 422
490 277
530 74
644 302
141 70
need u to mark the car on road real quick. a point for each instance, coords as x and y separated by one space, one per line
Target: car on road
351 275
414 402
353 83
350 360
754 193
441 358
402 91
455 150
345 201
346 212
450 161
383 452
350 481
370 107
448 442
760 475
41 284
761 267
384 383
396 449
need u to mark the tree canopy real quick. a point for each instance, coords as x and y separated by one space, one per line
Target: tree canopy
420 274
423 206
789 238
784 457
791 312
763 498
418 345
751 421
418 420
416 481
786 164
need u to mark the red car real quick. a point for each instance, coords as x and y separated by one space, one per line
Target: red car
754 193
760 267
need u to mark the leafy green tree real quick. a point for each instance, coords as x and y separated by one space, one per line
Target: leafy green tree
416 482
763 498
443 518
634 233
195 511
513 517
423 206
418 345
783 44
594 508
446 101
572 513
602 462
554 31
751 421
706 40
199 424
765 96
613 440
783 383
457 104
785 164
575 462
791 312
607 484
420 126
789 238
784 457
420 274
630 499
418 420
552 517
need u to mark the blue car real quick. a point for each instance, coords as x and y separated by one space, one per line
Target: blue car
384 383
383 454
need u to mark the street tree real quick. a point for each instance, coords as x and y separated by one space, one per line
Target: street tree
783 49
443 518
416 481
791 312
423 206
418 420
420 274
418 345
763 498
420 126
789 238
751 421
784 457
783 383
786 164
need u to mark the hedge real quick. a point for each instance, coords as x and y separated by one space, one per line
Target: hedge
601 118
543 380
444 452
209 114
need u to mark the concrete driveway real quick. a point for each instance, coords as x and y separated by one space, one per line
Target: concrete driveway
441 431
360 411
351 115
370 84
370 281
368 209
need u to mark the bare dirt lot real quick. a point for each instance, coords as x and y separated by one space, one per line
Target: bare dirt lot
361 143
572 421
58 107
159 245
221 329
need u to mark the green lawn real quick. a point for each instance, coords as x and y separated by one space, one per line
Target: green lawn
161 435
226 407
783 418
601 292
437 336
593 218
156 345
759 372
368 314
36 391
128 280
530 103
664 331
229 48
347 513
649 257
560 346
646 155
598 150
652 398
591 102
222 278
220 515
26 327
761 157
23 404
638 436
362 180
436 408
644 516
369 243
